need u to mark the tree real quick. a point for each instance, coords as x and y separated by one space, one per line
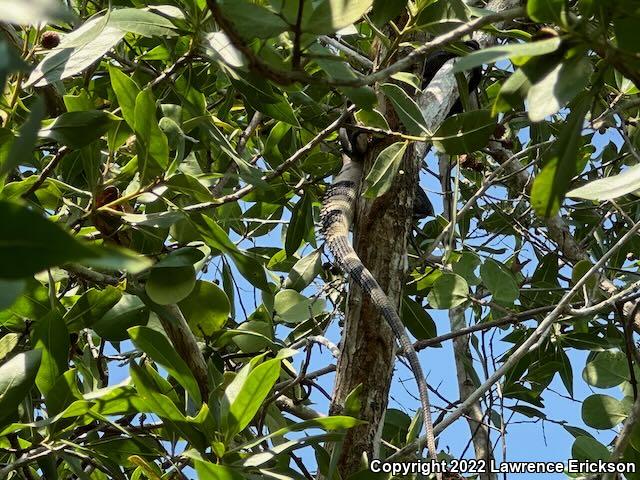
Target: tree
161 172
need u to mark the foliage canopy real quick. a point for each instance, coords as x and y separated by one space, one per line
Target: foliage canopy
161 170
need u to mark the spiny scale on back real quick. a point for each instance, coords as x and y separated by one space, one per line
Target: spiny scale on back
338 208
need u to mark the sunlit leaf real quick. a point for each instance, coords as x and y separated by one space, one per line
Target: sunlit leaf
383 172
16 379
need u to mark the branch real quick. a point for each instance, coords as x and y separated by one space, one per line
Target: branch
234 197
361 59
300 411
46 171
532 342
27 458
320 340
556 226
507 320
572 311
240 148
172 321
183 340
287 77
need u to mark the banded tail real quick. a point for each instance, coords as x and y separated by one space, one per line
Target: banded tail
336 217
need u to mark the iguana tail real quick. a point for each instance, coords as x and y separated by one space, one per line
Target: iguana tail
336 217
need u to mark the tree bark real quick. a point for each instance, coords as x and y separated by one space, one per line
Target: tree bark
381 229
478 429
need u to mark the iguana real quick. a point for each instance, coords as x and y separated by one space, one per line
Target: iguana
336 215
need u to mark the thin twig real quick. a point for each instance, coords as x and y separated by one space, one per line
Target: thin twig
538 335
234 197
46 171
283 77
349 52
240 147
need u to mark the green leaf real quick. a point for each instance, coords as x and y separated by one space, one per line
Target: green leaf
331 15
214 236
21 150
16 379
441 16
10 290
160 350
384 169
513 90
251 20
218 47
417 319
626 30
406 108
383 11
611 187
34 304
162 406
151 143
551 184
338 422
499 281
371 118
10 61
243 397
250 269
448 291
300 225
336 68
8 342
293 307
566 371
126 90
115 259
261 97
603 411
466 267
30 243
558 87
64 392
33 12
465 132
261 459
114 400
212 471
257 338
155 220
579 270
51 337
141 22
77 51
130 311
91 307
545 10
189 185
304 271
608 369
509 50
206 308
78 129
166 286
589 449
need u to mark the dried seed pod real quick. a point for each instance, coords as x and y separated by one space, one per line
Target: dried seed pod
50 40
